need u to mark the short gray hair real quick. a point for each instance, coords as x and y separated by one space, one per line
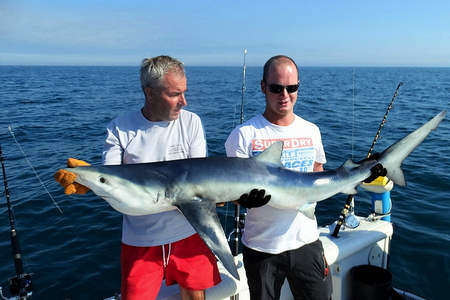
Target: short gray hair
153 69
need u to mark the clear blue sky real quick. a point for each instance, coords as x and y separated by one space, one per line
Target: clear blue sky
314 33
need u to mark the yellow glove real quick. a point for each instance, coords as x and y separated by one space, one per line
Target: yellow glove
379 185
67 179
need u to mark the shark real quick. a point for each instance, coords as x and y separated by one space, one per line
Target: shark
194 186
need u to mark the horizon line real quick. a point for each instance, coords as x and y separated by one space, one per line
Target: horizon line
225 66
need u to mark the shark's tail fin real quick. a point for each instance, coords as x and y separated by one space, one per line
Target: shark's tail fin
392 157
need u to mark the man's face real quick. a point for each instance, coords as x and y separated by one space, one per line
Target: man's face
281 73
167 100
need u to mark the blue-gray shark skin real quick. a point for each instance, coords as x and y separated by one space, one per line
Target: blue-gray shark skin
194 186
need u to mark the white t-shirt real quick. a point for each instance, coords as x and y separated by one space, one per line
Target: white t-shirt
131 138
269 229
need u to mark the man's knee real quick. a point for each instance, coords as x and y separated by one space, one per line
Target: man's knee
187 294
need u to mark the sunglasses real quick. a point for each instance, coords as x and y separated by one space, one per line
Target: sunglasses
278 88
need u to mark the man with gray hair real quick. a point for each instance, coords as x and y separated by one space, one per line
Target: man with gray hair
161 245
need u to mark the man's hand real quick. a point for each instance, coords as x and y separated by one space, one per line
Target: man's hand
376 171
67 179
255 198
377 182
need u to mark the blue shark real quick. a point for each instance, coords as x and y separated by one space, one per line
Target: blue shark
194 186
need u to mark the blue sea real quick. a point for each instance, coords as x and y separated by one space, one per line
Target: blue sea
61 112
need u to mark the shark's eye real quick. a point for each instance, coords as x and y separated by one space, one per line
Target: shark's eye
102 180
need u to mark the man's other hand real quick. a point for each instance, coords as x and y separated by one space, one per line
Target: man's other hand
255 198
67 179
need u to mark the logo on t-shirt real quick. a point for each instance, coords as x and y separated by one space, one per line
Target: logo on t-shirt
176 151
298 153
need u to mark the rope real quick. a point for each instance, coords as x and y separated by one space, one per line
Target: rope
32 168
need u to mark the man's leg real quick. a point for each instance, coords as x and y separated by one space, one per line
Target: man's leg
142 272
310 277
265 273
191 294
193 266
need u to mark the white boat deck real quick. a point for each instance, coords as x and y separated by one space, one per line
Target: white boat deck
367 244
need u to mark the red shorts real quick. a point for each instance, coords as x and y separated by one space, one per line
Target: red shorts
191 264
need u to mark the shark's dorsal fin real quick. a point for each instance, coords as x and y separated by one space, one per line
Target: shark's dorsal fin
350 164
271 155
346 167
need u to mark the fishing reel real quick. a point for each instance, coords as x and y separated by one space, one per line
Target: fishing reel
242 217
20 286
241 226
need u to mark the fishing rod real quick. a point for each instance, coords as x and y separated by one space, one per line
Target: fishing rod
20 285
237 208
238 221
350 198
243 88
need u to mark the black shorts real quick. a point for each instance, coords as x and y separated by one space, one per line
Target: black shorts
305 268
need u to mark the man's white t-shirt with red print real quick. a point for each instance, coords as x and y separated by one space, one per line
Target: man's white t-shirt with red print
269 229
131 139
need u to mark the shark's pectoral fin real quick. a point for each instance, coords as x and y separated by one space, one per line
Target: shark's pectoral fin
201 214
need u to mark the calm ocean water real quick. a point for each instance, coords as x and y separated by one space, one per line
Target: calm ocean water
61 112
